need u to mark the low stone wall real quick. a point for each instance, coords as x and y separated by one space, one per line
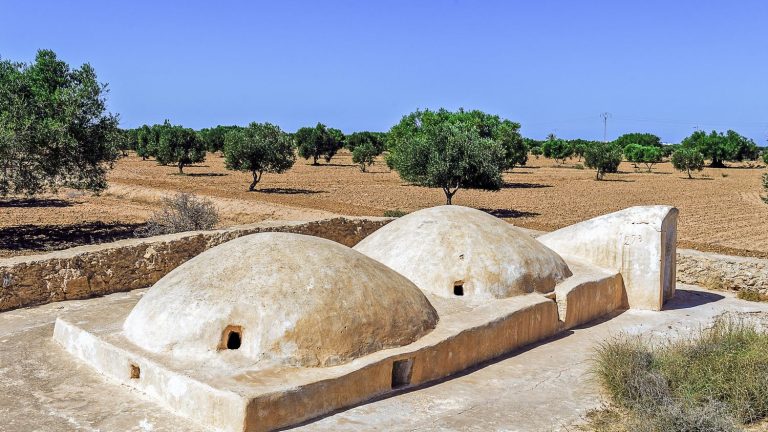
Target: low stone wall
717 271
93 270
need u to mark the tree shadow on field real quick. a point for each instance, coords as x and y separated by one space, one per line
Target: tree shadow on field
55 237
35 202
204 174
289 191
515 185
696 178
509 213
617 180
753 167
321 164
522 170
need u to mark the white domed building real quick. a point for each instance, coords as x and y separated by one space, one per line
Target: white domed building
279 299
455 251
272 329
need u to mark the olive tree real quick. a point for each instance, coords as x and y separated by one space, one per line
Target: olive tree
180 146
449 150
213 138
604 157
507 133
642 139
258 148
556 148
688 159
55 130
741 147
719 147
579 146
364 155
319 141
148 139
640 154
377 140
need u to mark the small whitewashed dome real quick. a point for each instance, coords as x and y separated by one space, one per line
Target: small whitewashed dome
459 251
286 299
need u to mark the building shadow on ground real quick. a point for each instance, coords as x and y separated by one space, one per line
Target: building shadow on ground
56 237
685 299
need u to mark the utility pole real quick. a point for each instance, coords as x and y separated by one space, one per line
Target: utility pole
605 116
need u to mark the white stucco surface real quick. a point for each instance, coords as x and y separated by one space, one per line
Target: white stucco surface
296 300
639 242
441 247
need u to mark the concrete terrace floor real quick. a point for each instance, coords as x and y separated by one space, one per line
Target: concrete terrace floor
546 387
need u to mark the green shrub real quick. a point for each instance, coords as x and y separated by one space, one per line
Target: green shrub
709 382
394 213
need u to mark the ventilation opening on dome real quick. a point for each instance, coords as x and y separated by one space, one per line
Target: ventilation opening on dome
231 338
135 371
458 288
401 373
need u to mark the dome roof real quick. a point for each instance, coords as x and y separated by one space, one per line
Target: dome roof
282 298
459 251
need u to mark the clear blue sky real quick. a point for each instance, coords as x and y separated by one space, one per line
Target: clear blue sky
658 66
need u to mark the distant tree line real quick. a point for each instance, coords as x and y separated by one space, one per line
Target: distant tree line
257 148
648 150
55 131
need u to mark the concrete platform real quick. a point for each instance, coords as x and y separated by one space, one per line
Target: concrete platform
546 387
252 397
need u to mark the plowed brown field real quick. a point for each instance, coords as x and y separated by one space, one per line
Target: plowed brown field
720 210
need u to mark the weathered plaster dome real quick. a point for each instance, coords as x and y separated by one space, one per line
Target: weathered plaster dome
282 298
458 251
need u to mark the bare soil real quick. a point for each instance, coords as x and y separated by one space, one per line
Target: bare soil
720 210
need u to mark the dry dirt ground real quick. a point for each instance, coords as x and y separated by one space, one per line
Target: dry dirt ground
720 210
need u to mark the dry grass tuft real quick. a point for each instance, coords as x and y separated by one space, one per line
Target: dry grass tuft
752 294
713 382
183 212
